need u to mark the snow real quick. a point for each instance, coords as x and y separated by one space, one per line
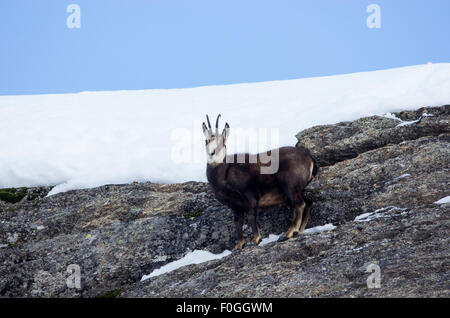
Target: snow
391 116
384 212
313 230
271 238
90 139
320 229
405 123
365 217
443 200
194 257
405 175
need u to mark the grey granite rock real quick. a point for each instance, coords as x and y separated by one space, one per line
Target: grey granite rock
410 248
345 140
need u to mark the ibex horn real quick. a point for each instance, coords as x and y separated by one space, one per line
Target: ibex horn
217 125
209 124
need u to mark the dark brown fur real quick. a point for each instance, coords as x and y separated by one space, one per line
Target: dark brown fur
244 189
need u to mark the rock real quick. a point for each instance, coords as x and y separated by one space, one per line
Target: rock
410 248
405 175
345 140
115 234
385 174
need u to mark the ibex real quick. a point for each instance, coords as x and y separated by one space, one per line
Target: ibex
240 185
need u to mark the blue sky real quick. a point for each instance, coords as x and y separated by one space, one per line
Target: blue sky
144 44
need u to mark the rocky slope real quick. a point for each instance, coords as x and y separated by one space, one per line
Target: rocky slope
118 233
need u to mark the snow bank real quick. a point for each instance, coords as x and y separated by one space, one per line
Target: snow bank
94 138
194 257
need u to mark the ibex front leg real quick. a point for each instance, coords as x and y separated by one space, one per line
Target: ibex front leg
239 222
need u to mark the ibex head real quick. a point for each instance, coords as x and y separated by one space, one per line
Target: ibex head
216 150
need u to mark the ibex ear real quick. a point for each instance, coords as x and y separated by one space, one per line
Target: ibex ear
206 132
226 132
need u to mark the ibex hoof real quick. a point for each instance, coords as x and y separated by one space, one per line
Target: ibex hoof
250 245
295 234
282 238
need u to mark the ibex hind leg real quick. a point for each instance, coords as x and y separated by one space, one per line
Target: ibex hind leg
306 215
298 204
296 223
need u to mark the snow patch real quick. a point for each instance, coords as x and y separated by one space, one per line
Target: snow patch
408 123
402 176
271 238
358 249
391 116
313 230
194 257
402 122
320 229
384 212
443 200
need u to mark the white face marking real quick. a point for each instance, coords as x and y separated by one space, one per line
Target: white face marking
215 149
